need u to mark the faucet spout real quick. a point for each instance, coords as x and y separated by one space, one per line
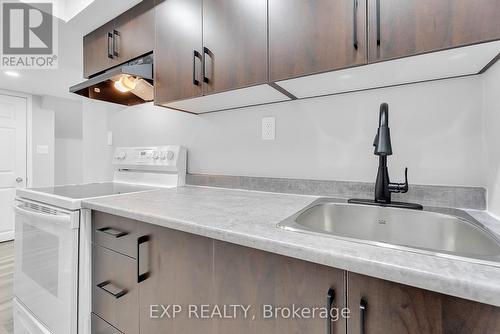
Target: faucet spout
382 142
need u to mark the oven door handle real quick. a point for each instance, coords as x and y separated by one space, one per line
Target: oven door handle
63 218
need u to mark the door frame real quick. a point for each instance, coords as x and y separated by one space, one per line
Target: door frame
29 139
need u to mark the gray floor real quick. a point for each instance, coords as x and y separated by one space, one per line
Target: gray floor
6 283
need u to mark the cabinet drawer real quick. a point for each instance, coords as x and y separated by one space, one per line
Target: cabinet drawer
116 233
114 289
100 326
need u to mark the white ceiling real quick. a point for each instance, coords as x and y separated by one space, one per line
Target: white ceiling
56 82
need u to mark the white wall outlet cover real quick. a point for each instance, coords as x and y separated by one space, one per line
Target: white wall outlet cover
268 128
42 149
109 141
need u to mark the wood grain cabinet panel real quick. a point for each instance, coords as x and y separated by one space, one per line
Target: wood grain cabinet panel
311 36
235 38
178 52
97 48
135 30
252 277
402 28
180 266
391 308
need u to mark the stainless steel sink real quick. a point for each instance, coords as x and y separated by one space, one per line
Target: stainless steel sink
441 232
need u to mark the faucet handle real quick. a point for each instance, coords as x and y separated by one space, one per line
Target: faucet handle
400 187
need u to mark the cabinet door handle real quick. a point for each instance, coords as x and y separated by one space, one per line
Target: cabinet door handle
110 45
196 54
112 289
363 305
206 52
116 35
142 274
355 22
112 232
330 301
378 23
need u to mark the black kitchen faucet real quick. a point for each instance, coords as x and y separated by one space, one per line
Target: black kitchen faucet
383 186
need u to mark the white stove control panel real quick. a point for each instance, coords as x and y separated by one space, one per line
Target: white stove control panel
169 158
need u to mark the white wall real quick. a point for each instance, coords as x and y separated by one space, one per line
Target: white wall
436 131
42 145
97 155
492 136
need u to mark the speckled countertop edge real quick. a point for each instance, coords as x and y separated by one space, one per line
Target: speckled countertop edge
249 218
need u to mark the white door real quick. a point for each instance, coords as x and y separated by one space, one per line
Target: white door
12 158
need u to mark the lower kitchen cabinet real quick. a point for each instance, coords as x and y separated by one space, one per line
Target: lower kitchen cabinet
382 307
264 280
178 282
180 273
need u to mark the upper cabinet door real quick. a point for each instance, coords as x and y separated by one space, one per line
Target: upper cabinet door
178 51
235 41
402 28
311 36
134 32
97 50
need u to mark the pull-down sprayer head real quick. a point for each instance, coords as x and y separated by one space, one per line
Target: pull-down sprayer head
382 140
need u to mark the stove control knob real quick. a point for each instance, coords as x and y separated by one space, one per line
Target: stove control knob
155 155
163 156
121 156
170 155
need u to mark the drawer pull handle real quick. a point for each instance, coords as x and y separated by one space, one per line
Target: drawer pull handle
112 289
112 232
142 258
355 27
330 301
363 305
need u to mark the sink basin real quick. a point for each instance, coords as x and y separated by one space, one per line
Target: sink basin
441 232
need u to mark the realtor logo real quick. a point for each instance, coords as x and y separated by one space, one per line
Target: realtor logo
28 35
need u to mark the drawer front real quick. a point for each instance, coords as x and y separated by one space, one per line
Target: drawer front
116 233
115 295
100 326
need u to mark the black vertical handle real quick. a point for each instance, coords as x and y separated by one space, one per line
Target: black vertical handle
362 316
116 34
378 23
355 23
196 54
206 52
330 301
141 276
110 45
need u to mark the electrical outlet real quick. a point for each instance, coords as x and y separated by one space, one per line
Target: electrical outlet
268 128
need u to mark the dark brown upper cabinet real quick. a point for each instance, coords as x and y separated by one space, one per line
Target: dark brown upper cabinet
135 31
403 28
128 36
97 50
178 52
312 36
235 44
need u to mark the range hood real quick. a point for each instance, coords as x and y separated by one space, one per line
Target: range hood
128 84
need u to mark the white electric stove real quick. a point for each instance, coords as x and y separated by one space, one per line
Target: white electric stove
52 239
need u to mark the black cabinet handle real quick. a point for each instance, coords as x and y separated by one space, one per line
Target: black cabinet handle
355 28
112 289
330 301
196 54
378 23
206 52
116 35
142 274
362 315
112 232
110 45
